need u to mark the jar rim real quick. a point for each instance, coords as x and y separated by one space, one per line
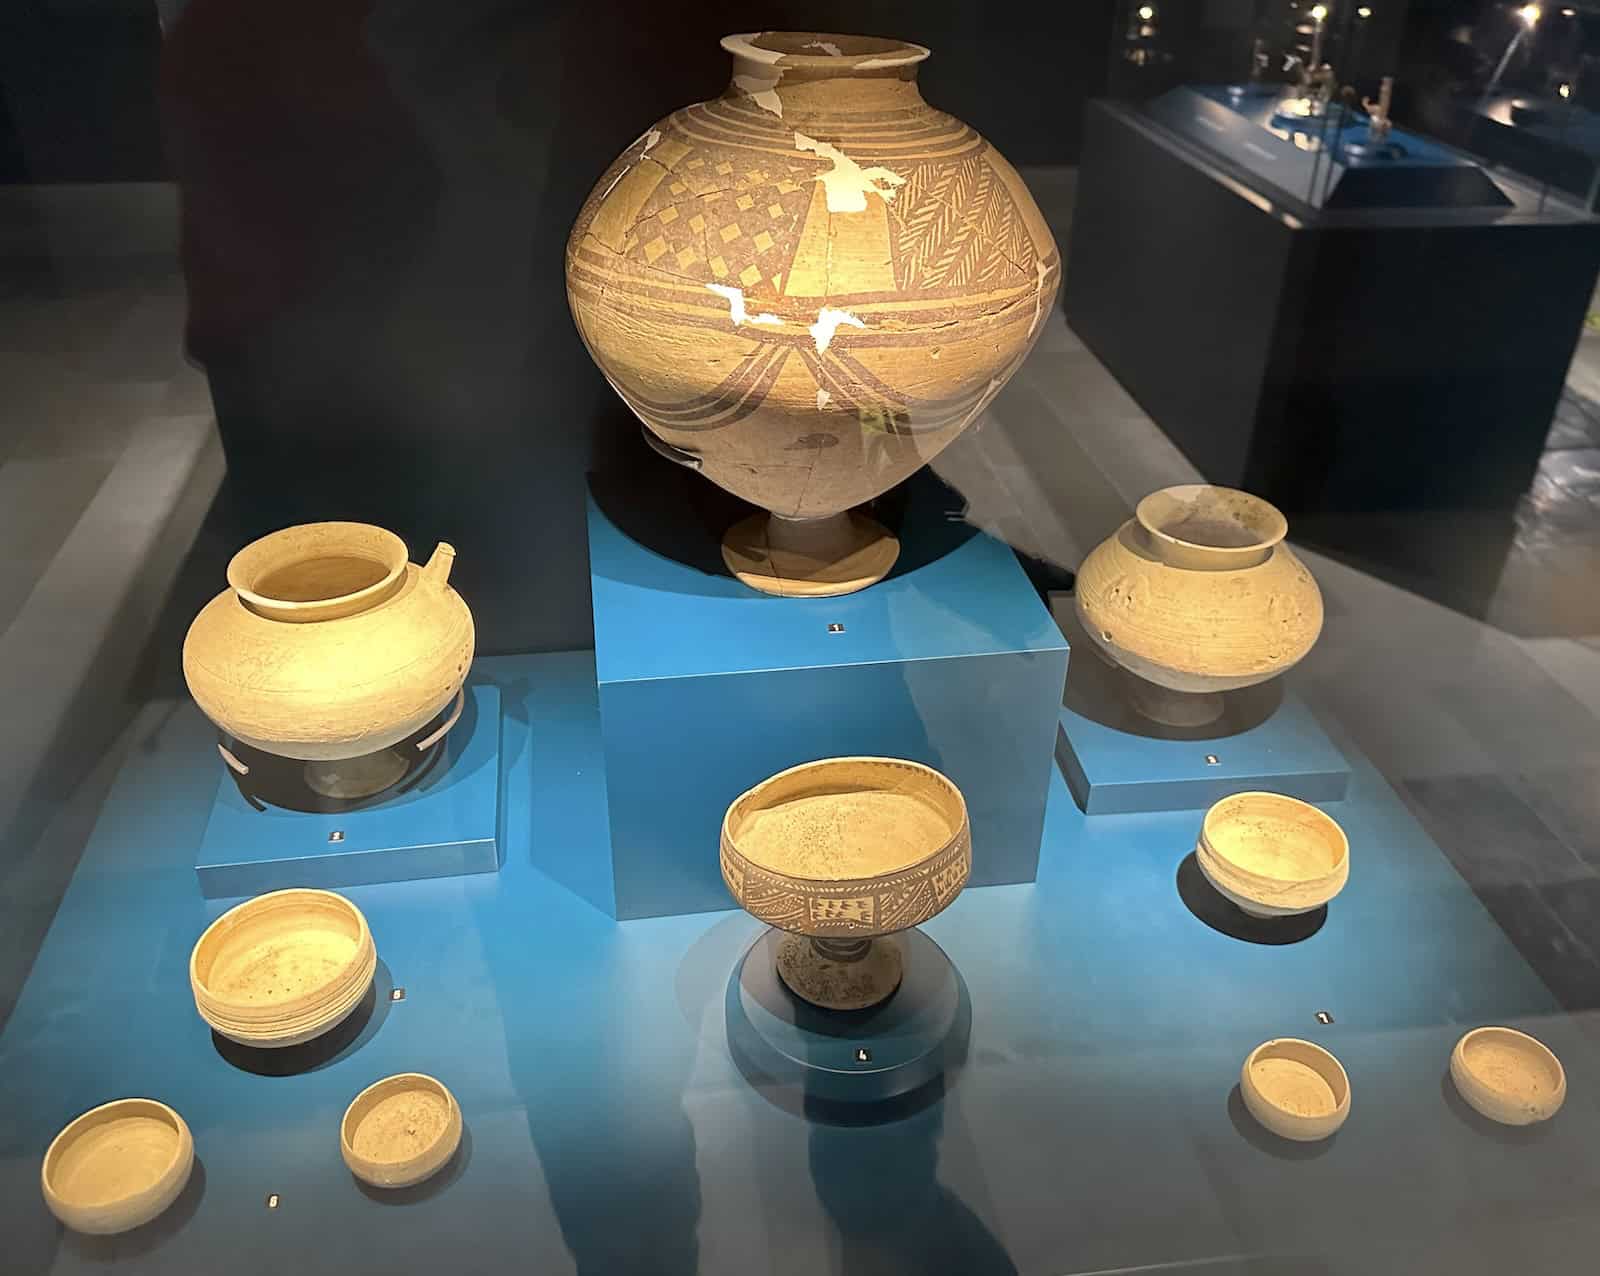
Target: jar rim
845 53
269 554
1163 514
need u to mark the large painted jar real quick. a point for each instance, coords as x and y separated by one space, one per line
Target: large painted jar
806 289
329 643
1195 595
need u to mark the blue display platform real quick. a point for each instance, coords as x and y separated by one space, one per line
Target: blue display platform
708 687
787 1046
1310 162
1095 1125
1113 771
442 826
1116 761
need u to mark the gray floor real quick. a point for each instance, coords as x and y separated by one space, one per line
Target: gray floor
109 459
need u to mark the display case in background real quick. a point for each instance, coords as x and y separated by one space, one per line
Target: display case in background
1513 83
1351 275
1479 94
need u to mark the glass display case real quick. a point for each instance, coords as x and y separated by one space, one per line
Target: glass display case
637 648
1511 83
1368 274
1351 106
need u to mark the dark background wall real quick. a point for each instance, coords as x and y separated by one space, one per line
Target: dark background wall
376 197
77 100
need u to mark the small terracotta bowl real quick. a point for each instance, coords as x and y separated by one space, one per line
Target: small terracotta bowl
1273 856
1508 1076
400 1131
283 967
1295 1088
117 1166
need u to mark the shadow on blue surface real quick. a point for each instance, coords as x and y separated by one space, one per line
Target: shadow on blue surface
1100 693
1511 1136
1208 904
452 1170
1264 1140
797 1053
141 1240
893 1215
681 517
358 1028
280 781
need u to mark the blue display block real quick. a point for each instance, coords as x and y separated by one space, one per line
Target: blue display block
609 1128
1111 771
444 826
1117 762
707 687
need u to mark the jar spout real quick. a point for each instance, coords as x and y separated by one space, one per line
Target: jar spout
437 572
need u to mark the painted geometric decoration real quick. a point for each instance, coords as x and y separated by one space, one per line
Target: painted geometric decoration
836 801
811 285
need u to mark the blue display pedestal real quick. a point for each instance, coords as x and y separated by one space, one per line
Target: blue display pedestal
793 1049
1117 762
1111 771
445 825
609 1130
707 687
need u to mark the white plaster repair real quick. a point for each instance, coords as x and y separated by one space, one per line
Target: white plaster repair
736 311
1041 272
823 399
828 321
827 46
651 137
846 185
762 91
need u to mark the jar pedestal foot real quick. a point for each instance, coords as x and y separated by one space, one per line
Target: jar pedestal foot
1173 708
361 777
809 557
849 974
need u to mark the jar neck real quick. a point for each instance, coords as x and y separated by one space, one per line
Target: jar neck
800 75
299 613
1202 558
1204 528
319 571
794 93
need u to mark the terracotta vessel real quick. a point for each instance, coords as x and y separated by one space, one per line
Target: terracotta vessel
1296 1089
400 1131
283 967
1195 595
843 853
1273 856
806 289
1508 1076
117 1166
328 646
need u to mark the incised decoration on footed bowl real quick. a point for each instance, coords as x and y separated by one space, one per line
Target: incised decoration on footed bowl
842 853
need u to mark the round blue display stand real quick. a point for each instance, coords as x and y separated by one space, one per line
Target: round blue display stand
849 1056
